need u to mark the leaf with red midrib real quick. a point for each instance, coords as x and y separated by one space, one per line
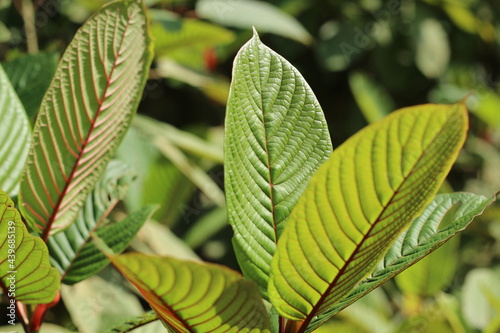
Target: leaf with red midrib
84 114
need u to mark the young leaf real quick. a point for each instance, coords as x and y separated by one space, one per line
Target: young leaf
422 238
25 271
195 297
276 138
358 202
15 130
84 114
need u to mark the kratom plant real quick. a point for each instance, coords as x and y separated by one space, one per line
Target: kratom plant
315 228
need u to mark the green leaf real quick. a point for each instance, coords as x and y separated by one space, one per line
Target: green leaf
25 272
195 297
425 235
72 251
30 76
358 203
250 13
134 323
373 101
85 113
15 130
276 138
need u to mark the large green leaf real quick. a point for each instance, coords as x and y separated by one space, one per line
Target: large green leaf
276 138
195 297
25 271
357 204
30 76
85 113
425 235
15 130
72 251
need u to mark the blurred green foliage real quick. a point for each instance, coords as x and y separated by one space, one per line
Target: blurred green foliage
363 59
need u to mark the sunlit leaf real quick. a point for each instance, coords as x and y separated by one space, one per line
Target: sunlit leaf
15 130
276 138
358 203
85 113
25 271
195 297
425 235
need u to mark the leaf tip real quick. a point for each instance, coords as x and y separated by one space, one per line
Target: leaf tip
255 33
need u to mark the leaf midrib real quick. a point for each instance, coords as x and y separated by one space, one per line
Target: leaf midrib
266 147
308 319
76 165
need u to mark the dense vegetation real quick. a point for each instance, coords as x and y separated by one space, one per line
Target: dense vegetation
363 59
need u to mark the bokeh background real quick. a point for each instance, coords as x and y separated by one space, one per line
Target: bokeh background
363 59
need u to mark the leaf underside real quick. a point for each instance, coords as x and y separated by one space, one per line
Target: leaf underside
357 204
424 235
276 138
84 114
72 251
15 130
195 297
35 281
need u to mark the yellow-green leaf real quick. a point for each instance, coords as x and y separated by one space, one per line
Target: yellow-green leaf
195 297
358 202
25 271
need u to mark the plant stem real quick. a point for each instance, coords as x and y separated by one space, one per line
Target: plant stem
28 13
